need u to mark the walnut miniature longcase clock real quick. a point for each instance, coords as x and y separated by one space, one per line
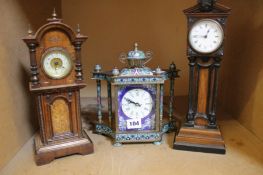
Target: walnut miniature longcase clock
206 24
56 80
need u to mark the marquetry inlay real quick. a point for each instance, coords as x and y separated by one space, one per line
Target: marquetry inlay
60 116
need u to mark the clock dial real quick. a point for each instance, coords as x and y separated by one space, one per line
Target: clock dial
206 36
137 103
56 64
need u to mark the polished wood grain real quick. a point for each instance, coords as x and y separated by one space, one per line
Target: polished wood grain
57 100
53 39
202 91
201 140
202 97
200 131
60 116
47 153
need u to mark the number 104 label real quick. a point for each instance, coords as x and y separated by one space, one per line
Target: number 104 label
134 123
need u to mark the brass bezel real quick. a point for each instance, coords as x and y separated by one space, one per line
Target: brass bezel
65 52
221 29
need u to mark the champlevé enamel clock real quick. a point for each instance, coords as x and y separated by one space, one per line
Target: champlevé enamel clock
138 97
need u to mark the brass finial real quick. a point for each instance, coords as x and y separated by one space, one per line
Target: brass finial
78 29
54 17
158 70
136 46
115 71
97 68
29 31
54 14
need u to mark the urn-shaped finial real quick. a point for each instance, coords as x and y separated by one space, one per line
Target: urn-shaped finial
136 57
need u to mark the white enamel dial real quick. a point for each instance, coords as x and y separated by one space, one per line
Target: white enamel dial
206 36
56 64
137 103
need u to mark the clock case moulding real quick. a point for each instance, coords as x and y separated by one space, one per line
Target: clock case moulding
135 76
200 132
57 100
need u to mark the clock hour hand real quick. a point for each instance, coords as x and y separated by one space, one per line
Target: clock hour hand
208 31
130 101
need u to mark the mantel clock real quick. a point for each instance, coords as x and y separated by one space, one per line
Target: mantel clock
56 79
138 100
206 25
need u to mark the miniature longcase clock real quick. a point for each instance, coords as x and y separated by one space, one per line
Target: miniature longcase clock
137 94
56 80
206 25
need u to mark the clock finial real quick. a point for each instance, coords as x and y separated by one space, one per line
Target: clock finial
78 29
54 17
206 5
135 46
54 14
29 31
172 66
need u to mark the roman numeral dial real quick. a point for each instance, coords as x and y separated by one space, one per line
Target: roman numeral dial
137 103
206 36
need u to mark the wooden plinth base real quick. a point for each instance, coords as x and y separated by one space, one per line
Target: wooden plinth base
44 154
200 140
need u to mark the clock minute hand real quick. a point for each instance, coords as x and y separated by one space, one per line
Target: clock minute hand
207 33
199 36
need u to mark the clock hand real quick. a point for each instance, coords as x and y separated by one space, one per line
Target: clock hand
199 36
130 101
138 104
207 33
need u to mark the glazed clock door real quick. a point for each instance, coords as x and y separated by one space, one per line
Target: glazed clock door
137 108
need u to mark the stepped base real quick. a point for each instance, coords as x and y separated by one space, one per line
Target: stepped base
199 140
44 154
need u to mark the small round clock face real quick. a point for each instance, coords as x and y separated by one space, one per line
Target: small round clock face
137 103
56 64
206 36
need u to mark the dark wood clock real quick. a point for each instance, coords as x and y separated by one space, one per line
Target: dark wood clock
56 80
206 25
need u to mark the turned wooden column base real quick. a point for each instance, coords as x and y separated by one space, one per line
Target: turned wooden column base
44 154
199 140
